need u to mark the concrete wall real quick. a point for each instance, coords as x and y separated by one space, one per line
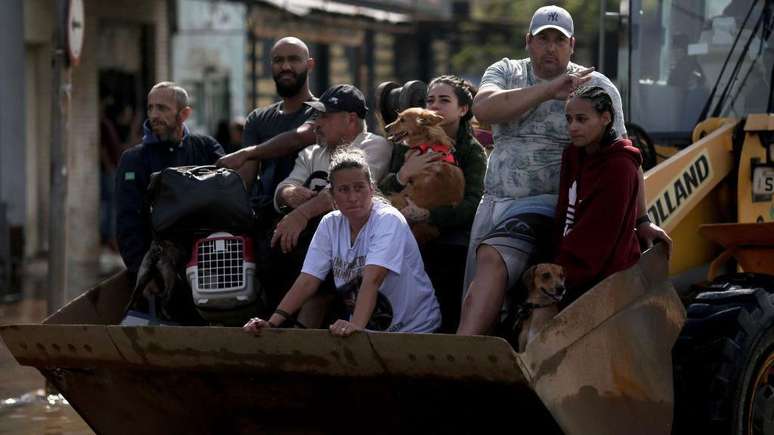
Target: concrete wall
12 153
38 34
83 152
82 214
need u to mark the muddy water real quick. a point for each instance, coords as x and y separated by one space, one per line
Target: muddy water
25 409
38 413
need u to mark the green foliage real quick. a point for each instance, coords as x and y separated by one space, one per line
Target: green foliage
499 27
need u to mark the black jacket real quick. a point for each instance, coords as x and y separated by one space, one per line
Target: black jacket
133 176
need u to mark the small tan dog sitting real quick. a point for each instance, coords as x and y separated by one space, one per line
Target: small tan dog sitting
545 288
443 184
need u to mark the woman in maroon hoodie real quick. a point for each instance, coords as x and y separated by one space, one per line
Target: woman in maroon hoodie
598 187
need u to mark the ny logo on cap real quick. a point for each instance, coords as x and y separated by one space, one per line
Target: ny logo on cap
334 100
553 16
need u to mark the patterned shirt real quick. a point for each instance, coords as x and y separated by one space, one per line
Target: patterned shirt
527 152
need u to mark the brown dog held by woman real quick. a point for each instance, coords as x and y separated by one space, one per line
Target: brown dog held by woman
545 288
444 183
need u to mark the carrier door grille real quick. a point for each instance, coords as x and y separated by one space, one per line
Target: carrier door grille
221 264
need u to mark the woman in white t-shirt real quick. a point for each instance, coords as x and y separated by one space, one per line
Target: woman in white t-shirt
375 260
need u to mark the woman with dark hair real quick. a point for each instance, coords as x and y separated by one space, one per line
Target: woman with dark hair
598 189
451 97
375 261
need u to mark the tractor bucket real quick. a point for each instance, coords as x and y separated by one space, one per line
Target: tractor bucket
204 380
602 366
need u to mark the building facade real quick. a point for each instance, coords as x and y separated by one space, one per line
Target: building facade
125 49
218 50
363 43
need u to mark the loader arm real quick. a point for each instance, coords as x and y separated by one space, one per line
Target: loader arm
685 192
676 186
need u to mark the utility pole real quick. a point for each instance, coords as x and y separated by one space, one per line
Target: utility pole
60 127
601 48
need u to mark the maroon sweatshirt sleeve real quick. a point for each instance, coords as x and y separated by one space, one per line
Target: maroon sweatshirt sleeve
600 242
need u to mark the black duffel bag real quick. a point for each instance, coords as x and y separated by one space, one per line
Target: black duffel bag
197 199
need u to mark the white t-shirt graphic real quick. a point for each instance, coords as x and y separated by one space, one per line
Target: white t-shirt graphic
385 241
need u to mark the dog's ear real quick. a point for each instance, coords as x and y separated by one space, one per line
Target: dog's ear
560 272
528 277
557 269
429 118
436 118
398 119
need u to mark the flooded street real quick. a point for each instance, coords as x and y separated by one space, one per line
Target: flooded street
36 413
25 408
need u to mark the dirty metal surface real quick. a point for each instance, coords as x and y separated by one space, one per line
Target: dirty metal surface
603 365
309 352
221 380
101 305
751 244
745 234
235 402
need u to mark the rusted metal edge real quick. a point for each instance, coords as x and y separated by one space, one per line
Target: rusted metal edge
603 365
599 304
313 352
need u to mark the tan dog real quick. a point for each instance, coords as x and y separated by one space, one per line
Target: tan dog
442 184
545 288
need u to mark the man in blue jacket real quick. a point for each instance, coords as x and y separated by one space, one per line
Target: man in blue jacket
166 143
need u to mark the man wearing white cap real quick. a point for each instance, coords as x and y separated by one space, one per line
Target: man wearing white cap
524 101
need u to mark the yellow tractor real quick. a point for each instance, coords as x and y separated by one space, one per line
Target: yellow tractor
714 196
724 357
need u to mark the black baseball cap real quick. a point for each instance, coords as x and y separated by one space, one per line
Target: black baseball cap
341 98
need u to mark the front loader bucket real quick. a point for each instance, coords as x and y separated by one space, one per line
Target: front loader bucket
212 380
603 365
167 380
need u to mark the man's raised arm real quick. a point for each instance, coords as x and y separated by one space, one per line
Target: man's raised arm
245 161
494 105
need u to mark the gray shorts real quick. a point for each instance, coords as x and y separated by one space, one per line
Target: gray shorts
518 240
515 228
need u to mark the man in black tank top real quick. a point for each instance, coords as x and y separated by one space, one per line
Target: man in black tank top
274 134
